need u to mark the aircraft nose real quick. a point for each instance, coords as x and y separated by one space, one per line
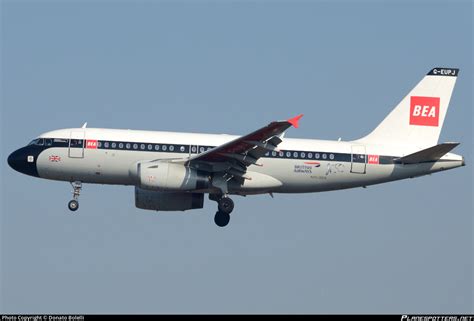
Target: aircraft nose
23 160
14 160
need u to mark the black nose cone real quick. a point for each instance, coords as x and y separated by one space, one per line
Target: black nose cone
14 161
23 160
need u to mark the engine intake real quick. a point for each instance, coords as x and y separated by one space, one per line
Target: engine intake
166 176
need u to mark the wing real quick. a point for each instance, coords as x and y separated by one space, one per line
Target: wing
235 156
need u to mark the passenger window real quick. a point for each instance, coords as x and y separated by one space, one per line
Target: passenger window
164 148
331 156
75 143
157 147
281 154
295 154
135 146
316 155
128 145
274 153
171 148
106 144
303 154
310 155
182 149
120 145
150 147
325 156
288 154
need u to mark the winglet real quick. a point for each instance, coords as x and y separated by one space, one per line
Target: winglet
294 121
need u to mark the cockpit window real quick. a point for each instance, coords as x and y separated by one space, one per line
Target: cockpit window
48 141
60 142
38 141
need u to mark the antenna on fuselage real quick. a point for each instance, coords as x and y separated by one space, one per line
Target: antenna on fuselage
85 125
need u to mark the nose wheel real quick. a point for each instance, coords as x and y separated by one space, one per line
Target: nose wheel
73 204
225 206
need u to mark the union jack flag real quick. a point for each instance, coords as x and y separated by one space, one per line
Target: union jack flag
54 158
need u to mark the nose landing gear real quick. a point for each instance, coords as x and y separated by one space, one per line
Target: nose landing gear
73 204
225 206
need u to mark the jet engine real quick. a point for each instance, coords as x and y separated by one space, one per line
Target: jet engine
167 201
167 176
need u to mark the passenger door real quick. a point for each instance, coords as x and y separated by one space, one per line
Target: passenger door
76 144
358 159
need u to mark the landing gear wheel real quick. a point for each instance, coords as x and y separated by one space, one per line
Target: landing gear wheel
221 219
73 205
225 205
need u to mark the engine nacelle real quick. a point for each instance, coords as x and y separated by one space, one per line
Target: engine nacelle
166 176
167 201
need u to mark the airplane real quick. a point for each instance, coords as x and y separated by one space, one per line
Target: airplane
172 171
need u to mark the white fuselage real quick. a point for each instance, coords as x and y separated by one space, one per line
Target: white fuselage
173 171
301 165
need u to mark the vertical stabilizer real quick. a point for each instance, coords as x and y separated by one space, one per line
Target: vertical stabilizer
418 118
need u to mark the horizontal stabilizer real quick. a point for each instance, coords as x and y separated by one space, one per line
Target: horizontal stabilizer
431 154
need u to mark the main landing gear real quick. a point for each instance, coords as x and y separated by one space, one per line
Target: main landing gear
225 206
73 204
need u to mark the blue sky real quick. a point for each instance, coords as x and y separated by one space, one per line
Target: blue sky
231 67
